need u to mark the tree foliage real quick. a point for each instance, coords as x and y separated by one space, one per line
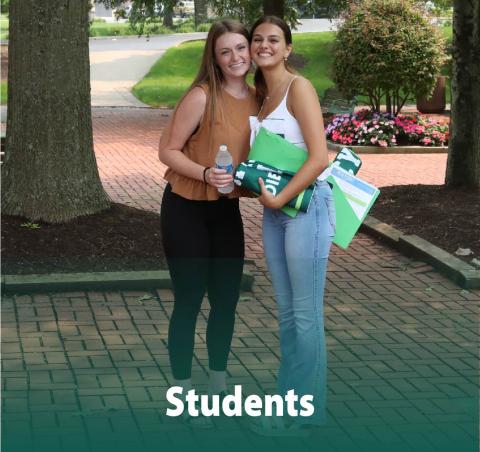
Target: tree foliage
4 4
387 49
153 12
145 12
248 12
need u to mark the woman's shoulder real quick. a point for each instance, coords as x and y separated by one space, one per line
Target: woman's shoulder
300 91
302 95
195 97
301 84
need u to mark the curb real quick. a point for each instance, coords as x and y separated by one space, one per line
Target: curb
390 150
73 282
458 271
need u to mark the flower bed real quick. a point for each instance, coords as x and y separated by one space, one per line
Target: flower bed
365 128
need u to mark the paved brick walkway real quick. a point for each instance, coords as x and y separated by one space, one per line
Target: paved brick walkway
88 371
126 148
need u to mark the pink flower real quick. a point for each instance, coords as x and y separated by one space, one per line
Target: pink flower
383 143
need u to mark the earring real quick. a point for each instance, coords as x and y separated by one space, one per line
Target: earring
285 59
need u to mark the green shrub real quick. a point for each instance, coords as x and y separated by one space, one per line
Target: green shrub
187 28
204 27
387 49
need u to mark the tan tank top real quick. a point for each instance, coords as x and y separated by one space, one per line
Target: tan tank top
232 128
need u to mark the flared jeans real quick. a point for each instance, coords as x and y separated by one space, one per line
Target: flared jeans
297 251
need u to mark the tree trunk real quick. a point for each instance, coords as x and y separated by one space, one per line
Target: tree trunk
168 15
388 102
463 165
50 172
274 8
200 12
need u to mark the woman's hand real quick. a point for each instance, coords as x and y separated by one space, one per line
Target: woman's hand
266 198
218 178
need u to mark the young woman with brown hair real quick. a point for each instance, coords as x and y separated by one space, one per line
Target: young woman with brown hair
297 248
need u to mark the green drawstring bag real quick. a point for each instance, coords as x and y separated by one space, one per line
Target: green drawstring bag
248 173
273 150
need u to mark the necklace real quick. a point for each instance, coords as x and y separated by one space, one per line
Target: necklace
282 85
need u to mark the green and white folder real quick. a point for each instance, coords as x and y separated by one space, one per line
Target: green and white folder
353 199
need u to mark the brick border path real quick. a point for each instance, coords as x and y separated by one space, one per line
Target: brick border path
87 371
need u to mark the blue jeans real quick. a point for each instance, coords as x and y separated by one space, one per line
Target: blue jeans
297 252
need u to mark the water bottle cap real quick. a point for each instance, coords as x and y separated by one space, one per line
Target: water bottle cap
222 148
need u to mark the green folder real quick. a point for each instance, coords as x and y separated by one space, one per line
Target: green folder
273 150
353 199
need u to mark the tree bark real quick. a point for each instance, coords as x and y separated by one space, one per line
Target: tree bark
274 8
200 12
50 172
463 165
168 14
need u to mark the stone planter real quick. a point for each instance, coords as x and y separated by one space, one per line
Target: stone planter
436 103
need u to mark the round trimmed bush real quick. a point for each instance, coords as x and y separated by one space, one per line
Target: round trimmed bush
387 50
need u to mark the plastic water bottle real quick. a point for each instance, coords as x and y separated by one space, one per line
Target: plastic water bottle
224 160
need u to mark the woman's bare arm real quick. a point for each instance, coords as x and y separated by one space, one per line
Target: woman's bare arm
179 129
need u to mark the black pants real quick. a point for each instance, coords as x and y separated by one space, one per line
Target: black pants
204 247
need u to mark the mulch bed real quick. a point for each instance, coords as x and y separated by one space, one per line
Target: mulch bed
448 218
125 238
120 238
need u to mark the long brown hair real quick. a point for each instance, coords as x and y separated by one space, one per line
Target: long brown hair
210 73
259 79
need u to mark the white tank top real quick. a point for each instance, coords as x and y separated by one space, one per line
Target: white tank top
281 122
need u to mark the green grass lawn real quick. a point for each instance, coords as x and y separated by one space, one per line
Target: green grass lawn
3 92
172 74
447 31
316 49
3 27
